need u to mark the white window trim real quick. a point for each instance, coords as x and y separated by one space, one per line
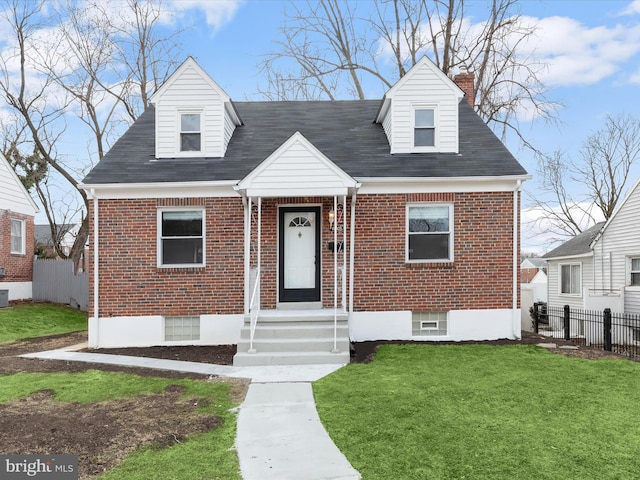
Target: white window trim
191 153
630 271
436 130
159 237
451 232
560 292
23 234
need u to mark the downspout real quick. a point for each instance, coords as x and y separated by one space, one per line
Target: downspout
96 275
352 236
515 321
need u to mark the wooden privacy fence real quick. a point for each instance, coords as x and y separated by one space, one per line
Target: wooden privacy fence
54 281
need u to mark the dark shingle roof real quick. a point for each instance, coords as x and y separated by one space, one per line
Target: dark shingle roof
42 232
577 245
343 130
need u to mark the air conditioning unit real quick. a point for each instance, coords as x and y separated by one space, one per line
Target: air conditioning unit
4 298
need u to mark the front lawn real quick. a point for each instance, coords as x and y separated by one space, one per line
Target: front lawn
484 412
33 320
103 416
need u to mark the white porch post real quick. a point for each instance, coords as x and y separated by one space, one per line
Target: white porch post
246 202
335 276
343 300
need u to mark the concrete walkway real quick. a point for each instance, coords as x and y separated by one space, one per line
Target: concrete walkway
279 434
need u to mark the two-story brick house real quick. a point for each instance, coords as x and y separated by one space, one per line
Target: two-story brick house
17 211
291 227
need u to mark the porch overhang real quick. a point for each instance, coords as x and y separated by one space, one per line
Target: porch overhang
297 169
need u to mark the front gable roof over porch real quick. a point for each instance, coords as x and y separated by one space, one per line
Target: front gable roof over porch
297 168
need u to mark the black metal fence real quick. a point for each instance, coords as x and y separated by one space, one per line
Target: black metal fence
613 332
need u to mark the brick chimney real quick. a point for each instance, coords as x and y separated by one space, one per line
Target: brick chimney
465 81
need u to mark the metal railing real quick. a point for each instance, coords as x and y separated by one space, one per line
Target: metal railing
254 309
606 330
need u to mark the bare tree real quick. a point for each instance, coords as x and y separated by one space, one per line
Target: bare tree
76 71
600 174
325 40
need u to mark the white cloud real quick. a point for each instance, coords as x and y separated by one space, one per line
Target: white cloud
580 55
632 9
217 13
538 232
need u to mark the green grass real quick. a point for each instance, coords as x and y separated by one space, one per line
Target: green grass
38 320
206 456
484 412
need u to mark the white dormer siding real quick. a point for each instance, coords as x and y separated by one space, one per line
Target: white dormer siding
424 87
13 195
190 91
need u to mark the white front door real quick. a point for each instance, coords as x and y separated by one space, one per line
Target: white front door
299 250
299 267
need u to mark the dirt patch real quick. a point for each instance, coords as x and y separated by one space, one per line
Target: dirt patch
101 434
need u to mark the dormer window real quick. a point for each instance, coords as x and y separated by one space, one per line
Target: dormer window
424 128
190 132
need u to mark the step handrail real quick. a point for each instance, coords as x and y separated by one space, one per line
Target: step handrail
254 310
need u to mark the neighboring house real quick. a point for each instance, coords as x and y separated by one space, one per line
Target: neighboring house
570 269
600 268
17 211
616 256
67 233
530 267
318 222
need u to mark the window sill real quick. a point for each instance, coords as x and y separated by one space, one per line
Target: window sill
430 264
570 295
181 268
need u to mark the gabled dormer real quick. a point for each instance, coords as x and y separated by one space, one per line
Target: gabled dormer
194 115
420 112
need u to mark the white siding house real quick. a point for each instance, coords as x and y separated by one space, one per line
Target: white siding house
17 211
570 270
607 257
616 253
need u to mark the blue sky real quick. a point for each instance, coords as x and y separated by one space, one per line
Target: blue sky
592 48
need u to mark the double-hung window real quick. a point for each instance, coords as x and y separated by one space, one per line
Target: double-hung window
190 132
430 232
18 236
181 237
635 272
424 128
570 278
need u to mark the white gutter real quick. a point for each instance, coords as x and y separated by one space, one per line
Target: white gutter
515 318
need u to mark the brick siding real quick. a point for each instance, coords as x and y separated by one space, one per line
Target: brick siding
18 267
480 277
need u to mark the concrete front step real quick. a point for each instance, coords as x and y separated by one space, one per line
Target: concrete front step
294 331
321 344
294 337
243 359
